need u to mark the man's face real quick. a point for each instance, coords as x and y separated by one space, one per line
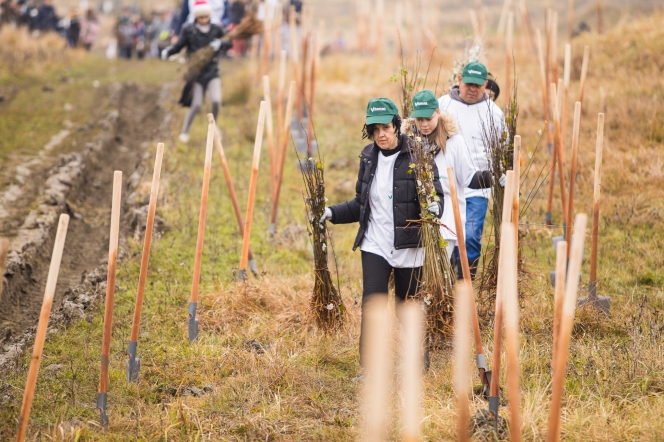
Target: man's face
471 93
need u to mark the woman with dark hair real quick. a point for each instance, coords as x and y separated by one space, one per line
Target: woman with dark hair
385 205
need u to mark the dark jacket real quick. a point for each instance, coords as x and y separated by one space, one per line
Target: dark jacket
193 39
406 201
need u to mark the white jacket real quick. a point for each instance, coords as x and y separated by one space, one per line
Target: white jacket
471 118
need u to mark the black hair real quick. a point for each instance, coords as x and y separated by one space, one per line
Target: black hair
368 130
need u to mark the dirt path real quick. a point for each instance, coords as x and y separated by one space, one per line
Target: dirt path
81 186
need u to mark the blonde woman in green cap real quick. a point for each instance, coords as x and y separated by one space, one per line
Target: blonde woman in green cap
385 202
442 132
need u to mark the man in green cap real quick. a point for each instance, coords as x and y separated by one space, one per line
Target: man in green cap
474 112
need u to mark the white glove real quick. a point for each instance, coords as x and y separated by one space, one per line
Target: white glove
164 53
434 208
326 215
502 180
215 44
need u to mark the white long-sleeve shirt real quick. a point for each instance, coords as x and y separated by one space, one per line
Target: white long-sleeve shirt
471 119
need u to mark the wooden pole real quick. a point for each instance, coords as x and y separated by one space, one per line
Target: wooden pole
554 46
102 396
479 350
278 22
312 93
558 147
547 55
411 385
283 63
516 166
42 326
133 363
462 317
242 274
233 194
267 43
503 16
559 295
293 47
270 129
567 320
303 76
509 51
572 175
527 29
584 72
4 250
545 101
570 19
282 158
596 199
202 214
511 307
563 115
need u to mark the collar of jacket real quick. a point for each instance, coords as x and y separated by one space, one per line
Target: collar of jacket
370 151
454 93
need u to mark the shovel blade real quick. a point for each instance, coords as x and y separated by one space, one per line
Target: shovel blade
193 323
602 303
102 399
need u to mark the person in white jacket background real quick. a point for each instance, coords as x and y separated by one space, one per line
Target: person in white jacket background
442 132
473 110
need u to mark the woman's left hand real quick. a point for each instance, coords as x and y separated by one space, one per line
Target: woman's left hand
434 208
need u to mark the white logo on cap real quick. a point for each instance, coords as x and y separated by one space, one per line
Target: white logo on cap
475 72
374 109
421 103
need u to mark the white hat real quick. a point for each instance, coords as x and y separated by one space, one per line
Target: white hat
202 8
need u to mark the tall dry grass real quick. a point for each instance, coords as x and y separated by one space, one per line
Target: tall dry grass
25 54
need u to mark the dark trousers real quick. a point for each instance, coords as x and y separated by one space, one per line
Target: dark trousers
376 277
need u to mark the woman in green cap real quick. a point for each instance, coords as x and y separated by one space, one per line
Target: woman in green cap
441 131
385 203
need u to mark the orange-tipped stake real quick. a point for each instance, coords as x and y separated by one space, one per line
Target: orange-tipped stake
462 315
516 167
192 324
283 63
584 72
102 395
244 258
494 375
134 363
282 158
479 350
4 250
545 100
559 295
572 175
42 326
303 73
231 190
293 47
566 322
559 151
377 366
411 360
511 307
270 129
565 105
601 302
554 47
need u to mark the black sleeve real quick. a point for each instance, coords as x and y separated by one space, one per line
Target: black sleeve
481 180
180 44
349 211
439 188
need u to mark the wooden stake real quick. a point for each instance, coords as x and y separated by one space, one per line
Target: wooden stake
303 76
293 47
252 192
572 177
547 55
200 236
516 166
554 46
559 295
283 62
4 250
503 17
232 193
411 385
567 320
563 115
462 316
270 129
110 294
584 72
570 19
461 243
282 158
132 366
267 42
527 29
509 51
511 306
558 146
596 199
42 326
377 368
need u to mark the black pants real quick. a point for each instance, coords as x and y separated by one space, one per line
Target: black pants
376 276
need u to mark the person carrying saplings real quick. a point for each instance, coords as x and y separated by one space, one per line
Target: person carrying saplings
442 133
474 112
195 36
385 204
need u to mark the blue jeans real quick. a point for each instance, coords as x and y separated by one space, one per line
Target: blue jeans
476 207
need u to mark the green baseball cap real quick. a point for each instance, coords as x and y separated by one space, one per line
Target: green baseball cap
381 110
474 73
424 104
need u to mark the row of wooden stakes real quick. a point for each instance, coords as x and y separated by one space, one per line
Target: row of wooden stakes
133 362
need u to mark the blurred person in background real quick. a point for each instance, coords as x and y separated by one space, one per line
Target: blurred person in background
9 12
47 19
89 29
125 33
139 35
74 28
237 11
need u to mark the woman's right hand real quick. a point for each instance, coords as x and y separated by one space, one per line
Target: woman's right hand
327 214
